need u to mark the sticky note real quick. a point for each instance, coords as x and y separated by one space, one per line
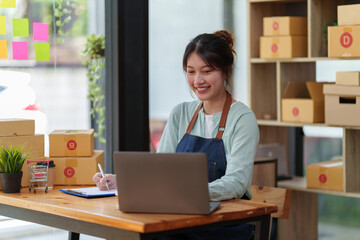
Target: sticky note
3 49
8 3
40 31
20 50
2 25
20 27
42 51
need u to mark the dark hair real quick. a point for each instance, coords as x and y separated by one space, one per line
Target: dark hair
215 49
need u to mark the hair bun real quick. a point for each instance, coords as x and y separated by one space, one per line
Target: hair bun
228 37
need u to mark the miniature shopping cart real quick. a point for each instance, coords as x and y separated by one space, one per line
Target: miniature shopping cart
38 172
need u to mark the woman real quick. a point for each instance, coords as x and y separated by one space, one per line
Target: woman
226 130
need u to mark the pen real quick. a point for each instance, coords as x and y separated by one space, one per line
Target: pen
102 174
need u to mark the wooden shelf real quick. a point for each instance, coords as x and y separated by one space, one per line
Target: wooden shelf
261 1
299 184
296 60
293 124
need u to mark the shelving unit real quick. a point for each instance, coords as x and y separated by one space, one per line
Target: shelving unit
266 83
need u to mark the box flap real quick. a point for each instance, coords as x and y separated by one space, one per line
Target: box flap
332 89
72 132
315 90
296 90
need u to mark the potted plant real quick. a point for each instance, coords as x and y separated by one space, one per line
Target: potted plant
11 162
94 51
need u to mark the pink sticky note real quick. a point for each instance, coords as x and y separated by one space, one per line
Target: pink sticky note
20 50
40 31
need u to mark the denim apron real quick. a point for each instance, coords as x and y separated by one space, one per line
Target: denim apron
215 151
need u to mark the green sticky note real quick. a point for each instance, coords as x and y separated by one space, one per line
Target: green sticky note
42 51
8 3
2 25
20 27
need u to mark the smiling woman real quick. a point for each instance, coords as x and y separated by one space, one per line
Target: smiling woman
215 124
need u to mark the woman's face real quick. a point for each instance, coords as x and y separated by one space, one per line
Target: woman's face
207 83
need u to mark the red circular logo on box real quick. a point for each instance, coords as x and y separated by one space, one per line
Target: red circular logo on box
322 178
295 111
346 40
69 172
71 145
274 48
275 25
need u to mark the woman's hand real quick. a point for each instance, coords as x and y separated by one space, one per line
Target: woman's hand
100 181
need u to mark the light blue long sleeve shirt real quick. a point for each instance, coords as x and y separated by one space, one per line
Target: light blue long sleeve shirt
240 138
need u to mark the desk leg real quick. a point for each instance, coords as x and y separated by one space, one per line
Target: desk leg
74 236
262 229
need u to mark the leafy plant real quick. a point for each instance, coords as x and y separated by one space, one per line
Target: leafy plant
12 159
95 52
62 13
325 32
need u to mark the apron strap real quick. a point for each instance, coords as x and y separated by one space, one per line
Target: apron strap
192 122
224 115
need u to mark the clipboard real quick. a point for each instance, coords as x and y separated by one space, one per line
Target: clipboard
90 192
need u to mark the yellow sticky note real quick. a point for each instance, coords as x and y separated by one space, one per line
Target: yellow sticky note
3 49
2 25
8 3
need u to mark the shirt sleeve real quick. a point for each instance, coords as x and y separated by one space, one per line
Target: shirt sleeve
240 160
169 139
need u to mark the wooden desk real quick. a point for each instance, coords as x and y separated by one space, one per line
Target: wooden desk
100 216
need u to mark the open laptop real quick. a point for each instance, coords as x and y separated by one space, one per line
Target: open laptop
163 182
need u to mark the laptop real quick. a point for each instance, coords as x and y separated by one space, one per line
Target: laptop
163 183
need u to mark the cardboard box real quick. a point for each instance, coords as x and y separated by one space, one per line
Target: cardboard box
265 172
325 175
344 42
32 144
77 171
275 26
303 102
275 150
16 127
283 47
71 143
348 14
342 105
348 78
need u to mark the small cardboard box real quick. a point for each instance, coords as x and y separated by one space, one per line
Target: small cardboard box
348 14
77 171
31 144
342 105
16 127
303 102
344 42
283 47
325 175
265 172
348 78
71 143
275 26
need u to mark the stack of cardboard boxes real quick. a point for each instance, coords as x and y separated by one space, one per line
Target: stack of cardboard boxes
344 39
73 154
284 37
21 132
342 100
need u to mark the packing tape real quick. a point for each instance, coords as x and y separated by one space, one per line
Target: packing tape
69 172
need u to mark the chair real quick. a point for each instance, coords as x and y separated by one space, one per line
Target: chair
279 196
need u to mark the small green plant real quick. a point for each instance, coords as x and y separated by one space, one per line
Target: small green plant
95 52
325 32
62 13
12 159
